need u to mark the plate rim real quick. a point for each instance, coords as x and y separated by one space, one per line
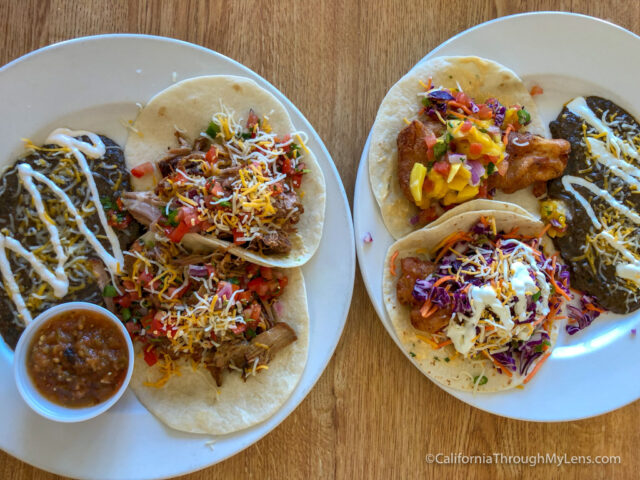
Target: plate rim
342 197
366 185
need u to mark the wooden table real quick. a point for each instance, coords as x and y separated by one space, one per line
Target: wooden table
371 415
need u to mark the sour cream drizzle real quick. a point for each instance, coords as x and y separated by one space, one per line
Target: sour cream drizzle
58 279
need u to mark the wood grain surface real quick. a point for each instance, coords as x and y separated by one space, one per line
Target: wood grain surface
371 415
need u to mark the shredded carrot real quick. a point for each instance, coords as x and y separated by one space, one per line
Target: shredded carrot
505 138
537 367
553 280
502 368
392 267
590 306
441 280
426 307
464 117
429 83
544 230
449 242
484 221
459 105
536 90
444 344
427 340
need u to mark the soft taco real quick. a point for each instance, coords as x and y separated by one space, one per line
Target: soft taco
221 342
474 300
218 157
456 129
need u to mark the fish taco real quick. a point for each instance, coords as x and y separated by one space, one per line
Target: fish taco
456 129
475 301
218 157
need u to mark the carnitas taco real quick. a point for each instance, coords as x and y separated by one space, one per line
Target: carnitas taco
456 129
218 157
222 342
475 300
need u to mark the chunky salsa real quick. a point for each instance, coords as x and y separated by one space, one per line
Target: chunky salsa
78 359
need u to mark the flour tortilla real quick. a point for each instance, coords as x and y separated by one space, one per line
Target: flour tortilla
192 402
480 79
458 373
188 106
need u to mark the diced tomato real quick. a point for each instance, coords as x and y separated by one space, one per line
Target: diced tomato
536 90
483 190
284 281
484 112
217 190
128 285
296 180
142 169
244 296
442 167
475 148
258 285
266 273
277 189
179 232
237 237
430 140
462 98
212 155
487 159
132 328
253 120
253 312
427 186
123 300
286 165
149 356
147 319
157 327
119 220
145 277
239 328
466 126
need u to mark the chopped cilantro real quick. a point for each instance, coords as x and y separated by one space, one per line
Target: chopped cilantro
483 130
126 314
539 348
108 204
523 117
440 148
109 291
482 381
213 130
251 333
491 168
412 354
426 102
234 280
306 170
172 218
536 296
446 359
246 136
226 203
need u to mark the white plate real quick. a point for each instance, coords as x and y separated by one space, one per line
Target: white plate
94 83
596 370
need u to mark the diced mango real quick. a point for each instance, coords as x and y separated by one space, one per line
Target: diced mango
416 180
467 193
460 180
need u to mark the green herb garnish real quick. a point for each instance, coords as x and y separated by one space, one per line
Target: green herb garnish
536 296
234 280
482 381
126 314
523 117
212 130
446 359
109 291
539 348
426 102
412 354
108 204
245 136
491 168
172 218
226 203
251 333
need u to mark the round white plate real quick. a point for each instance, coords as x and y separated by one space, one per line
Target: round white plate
94 83
596 370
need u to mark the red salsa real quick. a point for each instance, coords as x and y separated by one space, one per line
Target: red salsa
78 358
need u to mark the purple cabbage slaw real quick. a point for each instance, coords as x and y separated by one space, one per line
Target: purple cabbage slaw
519 355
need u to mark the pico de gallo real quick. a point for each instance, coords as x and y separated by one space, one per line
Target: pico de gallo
215 310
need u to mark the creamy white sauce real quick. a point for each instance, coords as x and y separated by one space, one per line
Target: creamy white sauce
58 280
522 285
624 170
578 106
